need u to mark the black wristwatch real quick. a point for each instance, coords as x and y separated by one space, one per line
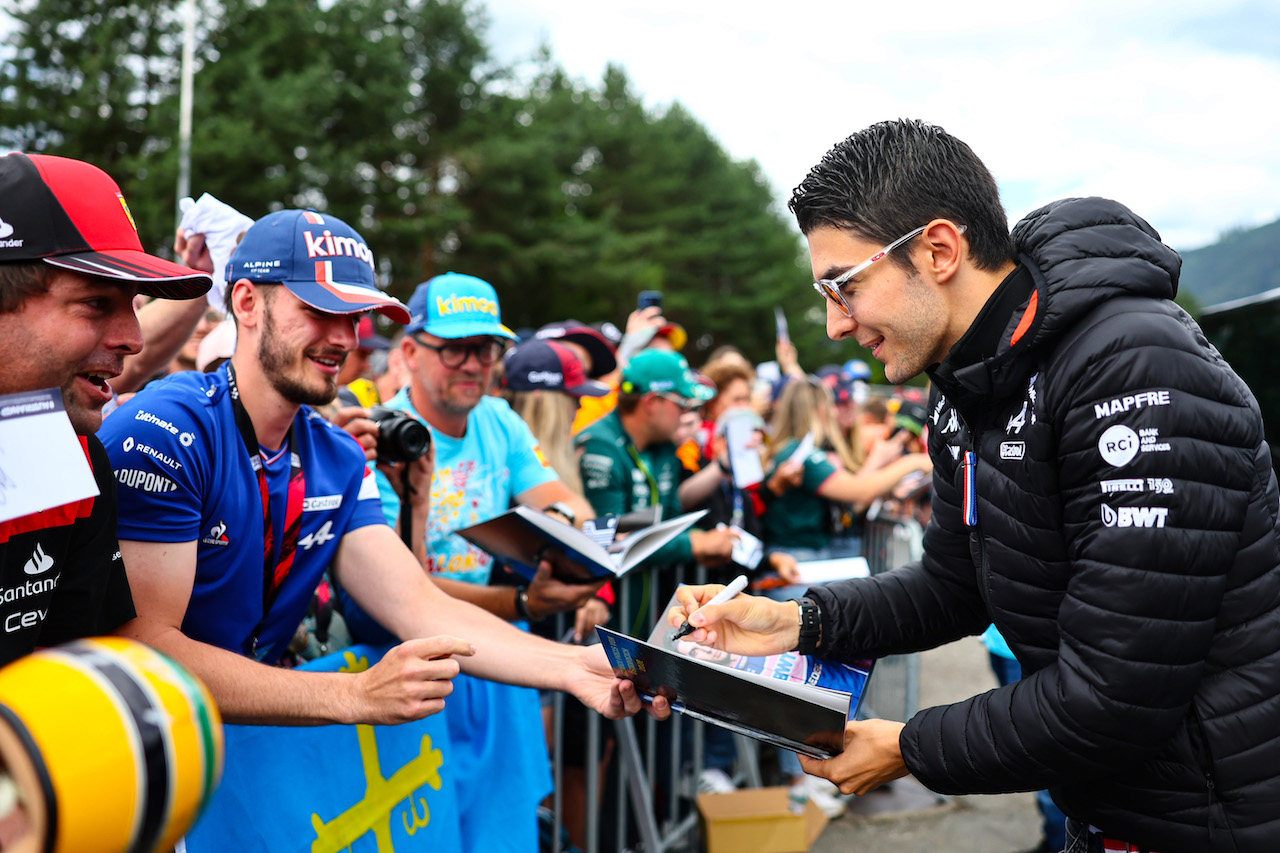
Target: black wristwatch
522 604
562 508
810 626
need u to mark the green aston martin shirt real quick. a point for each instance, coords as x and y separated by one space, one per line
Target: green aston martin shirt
617 478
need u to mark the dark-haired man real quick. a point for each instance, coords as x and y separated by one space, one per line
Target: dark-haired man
70 265
1102 493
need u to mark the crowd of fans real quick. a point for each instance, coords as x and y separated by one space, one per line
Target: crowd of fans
590 420
294 480
273 406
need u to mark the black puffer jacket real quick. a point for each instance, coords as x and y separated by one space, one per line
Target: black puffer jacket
1125 543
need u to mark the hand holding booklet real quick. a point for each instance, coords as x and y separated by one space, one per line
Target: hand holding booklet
789 700
523 537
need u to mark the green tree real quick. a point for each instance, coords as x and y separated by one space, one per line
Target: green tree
580 198
97 80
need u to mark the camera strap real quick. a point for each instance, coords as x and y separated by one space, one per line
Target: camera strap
277 562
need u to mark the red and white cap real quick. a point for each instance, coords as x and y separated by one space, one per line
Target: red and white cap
70 214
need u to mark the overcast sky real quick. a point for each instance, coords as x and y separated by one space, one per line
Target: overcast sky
1166 106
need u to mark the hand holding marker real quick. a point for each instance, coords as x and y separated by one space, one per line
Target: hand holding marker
735 586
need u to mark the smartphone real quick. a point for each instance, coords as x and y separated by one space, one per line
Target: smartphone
648 298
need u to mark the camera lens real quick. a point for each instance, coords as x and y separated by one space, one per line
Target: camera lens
401 438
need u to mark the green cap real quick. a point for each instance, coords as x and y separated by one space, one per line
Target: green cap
663 372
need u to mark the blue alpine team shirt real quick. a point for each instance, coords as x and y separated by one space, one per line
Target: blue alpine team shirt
183 475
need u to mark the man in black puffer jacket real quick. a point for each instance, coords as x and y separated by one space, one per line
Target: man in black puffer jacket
1103 494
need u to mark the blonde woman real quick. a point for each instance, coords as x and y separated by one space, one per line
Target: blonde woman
803 490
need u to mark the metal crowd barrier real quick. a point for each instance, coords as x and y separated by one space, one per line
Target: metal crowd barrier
644 784
893 693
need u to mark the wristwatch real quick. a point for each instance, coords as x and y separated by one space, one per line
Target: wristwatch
522 604
810 626
562 508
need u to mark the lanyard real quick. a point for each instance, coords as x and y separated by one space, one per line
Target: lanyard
655 497
276 562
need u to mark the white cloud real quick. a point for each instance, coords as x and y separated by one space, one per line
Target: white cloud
1132 99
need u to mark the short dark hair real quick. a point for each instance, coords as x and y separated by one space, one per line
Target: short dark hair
20 280
895 176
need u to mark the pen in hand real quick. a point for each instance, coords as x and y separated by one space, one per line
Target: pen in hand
735 586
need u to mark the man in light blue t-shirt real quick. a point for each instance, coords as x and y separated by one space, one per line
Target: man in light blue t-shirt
485 458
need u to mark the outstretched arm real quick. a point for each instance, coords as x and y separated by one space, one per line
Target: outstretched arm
376 569
411 682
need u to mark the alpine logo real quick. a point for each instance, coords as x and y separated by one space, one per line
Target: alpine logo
217 535
1134 516
1027 414
145 481
39 563
937 410
1018 421
1012 449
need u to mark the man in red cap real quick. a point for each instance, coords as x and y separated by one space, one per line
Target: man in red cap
70 265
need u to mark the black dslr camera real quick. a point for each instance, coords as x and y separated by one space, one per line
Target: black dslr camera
401 437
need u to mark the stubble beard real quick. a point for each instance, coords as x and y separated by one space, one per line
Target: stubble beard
276 360
917 339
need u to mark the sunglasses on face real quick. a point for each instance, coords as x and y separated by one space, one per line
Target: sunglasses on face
684 403
833 288
454 355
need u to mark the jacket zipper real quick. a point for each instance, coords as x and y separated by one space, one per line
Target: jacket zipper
969 501
1206 764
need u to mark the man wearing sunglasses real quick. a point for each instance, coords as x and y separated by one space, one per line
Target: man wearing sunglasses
1102 494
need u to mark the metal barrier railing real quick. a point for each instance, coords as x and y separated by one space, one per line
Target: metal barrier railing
893 693
641 801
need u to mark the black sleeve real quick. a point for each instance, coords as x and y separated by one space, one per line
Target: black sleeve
93 595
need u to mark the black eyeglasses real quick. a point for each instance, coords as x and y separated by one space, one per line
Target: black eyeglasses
454 355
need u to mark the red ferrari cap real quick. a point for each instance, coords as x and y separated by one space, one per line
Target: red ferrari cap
71 214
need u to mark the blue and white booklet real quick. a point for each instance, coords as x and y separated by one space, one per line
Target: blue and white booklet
790 700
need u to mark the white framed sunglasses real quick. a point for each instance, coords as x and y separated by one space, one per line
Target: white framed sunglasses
833 288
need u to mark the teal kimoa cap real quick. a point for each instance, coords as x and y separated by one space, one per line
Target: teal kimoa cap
454 305
663 372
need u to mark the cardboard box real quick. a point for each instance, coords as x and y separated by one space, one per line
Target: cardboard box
757 820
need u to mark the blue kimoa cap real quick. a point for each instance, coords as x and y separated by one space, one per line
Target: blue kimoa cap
321 260
454 305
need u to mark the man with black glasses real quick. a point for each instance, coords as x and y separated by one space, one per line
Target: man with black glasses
1102 494
485 458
